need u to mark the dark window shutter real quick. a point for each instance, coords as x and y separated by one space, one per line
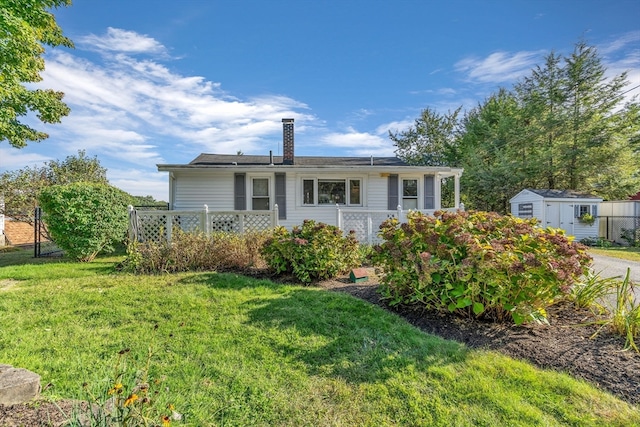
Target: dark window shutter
576 211
240 192
594 211
392 192
281 194
429 192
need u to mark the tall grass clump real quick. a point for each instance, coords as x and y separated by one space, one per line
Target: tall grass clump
624 318
311 252
478 264
194 251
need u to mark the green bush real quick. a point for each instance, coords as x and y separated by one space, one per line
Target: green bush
311 252
478 264
197 252
85 218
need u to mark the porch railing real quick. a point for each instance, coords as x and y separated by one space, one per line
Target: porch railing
159 225
366 223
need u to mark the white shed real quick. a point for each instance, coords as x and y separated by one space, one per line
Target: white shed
559 209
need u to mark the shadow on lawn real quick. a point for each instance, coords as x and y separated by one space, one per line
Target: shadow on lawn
343 337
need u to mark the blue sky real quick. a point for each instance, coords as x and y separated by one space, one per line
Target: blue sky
158 81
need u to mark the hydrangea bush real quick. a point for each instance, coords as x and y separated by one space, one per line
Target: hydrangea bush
478 264
311 252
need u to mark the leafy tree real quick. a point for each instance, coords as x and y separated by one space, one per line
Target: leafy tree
22 187
25 26
84 218
494 159
430 140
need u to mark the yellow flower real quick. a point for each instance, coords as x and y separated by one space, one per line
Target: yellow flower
116 388
165 421
132 398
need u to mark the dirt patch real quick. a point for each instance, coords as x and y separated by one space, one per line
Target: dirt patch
7 284
40 413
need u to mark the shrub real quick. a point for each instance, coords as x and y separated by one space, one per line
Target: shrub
84 218
311 252
478 264
195 251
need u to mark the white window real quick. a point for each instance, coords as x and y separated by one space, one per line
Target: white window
260 194
332 191
409 194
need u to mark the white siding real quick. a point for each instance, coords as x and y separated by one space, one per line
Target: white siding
192 191
537 204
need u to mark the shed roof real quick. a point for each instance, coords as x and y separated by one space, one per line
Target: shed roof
562 194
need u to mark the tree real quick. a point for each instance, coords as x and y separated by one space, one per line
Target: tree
85 218
430 141
25 26
22 187
495 161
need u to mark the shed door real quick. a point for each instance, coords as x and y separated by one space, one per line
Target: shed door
559 215
552 214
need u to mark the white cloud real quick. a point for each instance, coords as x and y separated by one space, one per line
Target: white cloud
499 67
12 158
118 40
141 183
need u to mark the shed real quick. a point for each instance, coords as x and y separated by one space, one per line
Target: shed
565 209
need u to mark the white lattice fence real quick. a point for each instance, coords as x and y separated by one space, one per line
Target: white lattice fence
159 225
365 224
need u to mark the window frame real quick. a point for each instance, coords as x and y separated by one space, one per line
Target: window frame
416 197
315 202
270 190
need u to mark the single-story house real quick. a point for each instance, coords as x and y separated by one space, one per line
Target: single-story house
306 187
574 212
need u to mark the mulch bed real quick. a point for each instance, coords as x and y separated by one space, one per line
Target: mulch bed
565 345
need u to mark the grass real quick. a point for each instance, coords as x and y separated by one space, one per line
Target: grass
240 351
623 252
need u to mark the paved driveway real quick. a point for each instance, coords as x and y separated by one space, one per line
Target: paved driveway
615 267
612 267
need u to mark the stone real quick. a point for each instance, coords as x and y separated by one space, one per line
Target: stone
17 385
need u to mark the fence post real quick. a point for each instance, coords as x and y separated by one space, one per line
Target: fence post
369 228
276 216
338 217
399 213
205 221
240 223
169 226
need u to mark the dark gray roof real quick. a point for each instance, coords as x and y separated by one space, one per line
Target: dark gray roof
250 160
562 194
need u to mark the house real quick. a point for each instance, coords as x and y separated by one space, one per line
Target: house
305 187
574 212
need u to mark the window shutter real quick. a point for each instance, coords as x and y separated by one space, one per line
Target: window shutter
429 192
594 211
392 192
576 211
240 192
281 194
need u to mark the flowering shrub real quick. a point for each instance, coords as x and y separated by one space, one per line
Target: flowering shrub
313 251
479 264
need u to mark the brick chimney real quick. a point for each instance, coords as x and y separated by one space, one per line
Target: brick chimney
287 142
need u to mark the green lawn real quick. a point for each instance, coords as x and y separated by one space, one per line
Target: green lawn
238 351
622 252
